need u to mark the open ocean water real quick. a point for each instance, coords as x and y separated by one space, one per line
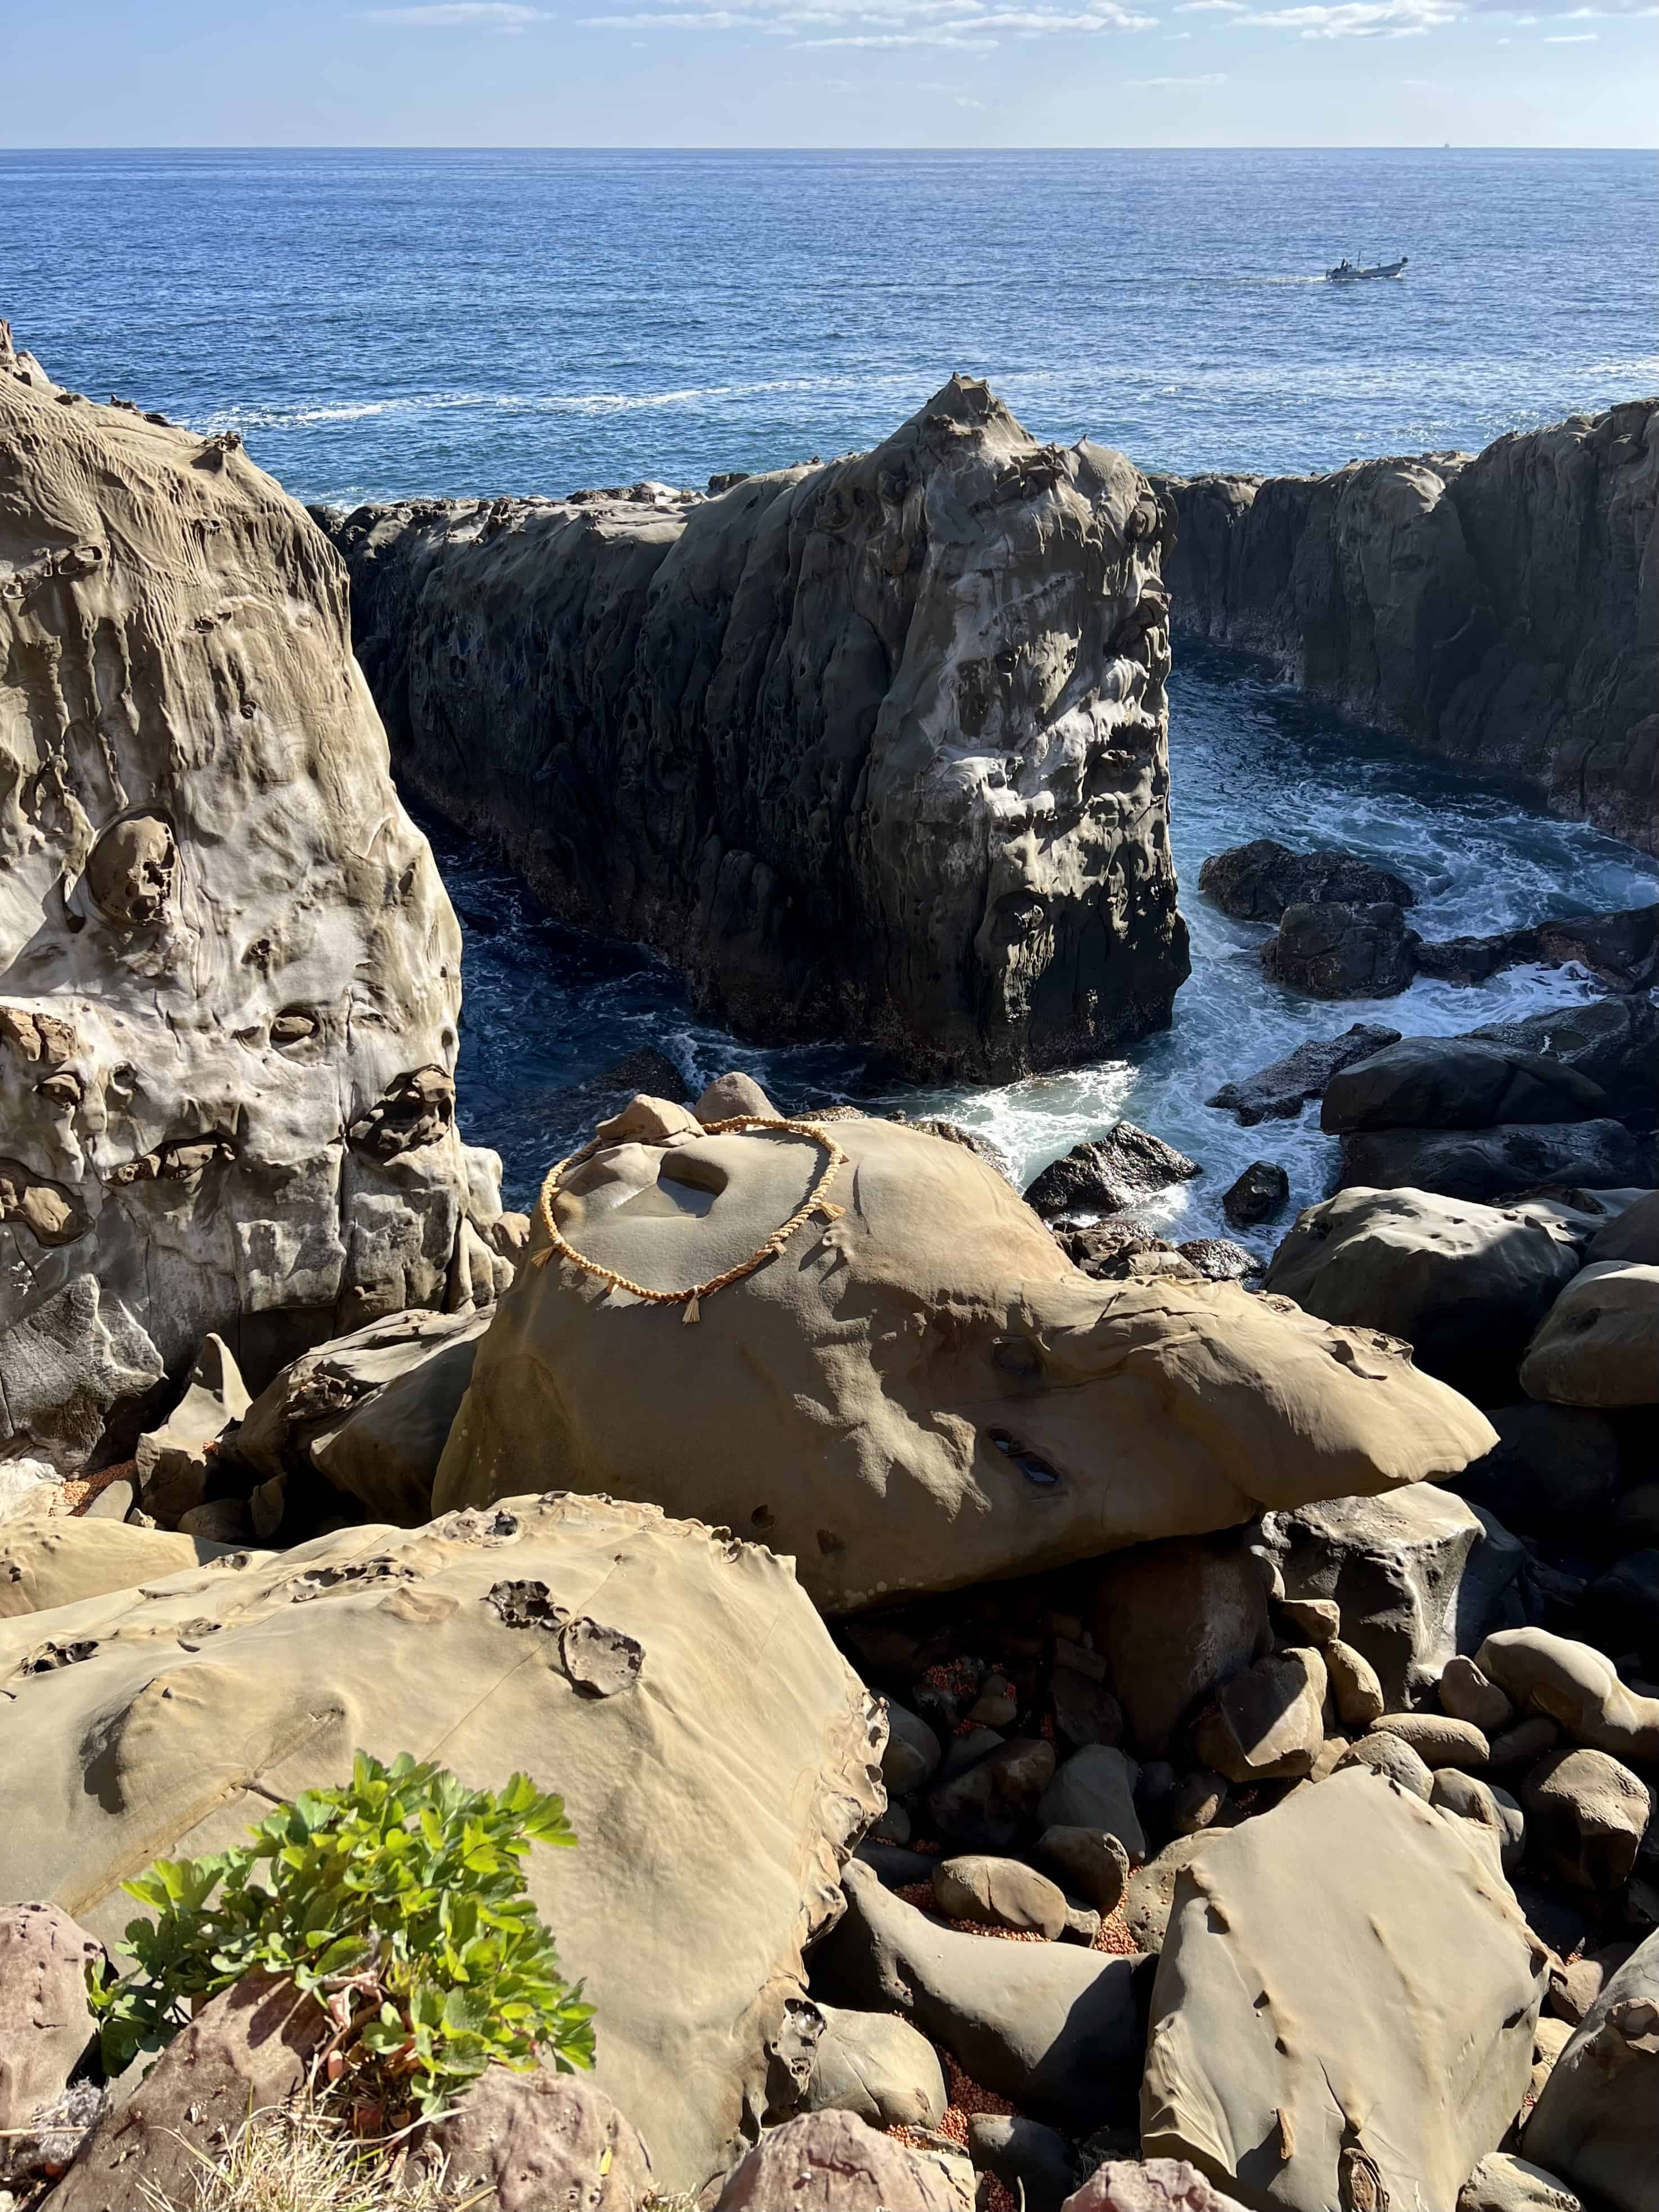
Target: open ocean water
381 324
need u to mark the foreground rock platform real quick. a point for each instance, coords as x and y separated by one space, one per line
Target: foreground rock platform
229 975
716 1755
874 749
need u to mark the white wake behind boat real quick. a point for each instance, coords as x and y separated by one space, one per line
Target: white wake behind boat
1351 272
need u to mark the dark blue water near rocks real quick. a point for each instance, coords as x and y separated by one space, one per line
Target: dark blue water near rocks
382 324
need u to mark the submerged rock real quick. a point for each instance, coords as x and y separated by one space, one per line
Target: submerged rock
233 976
1457 1083
925 1392
1108 1173
874 749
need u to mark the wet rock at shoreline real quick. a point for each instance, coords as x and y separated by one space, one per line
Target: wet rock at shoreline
1105 1175
1279 1091
1337 952
1256 882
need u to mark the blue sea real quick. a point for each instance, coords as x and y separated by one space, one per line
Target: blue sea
381 324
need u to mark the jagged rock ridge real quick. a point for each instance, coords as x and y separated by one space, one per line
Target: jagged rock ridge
229 975
875 749
1502 609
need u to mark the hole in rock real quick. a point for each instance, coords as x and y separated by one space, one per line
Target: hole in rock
1032 1464
762 1517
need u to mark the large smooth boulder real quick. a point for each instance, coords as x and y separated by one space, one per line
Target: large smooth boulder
1597 2121
1279 1091
231 991
1345 2000
1152 2184
371 1412
1265 1724
1256 882
922 1393
1586 1816
876 748
1338 951
1399 1570
716 1755
1599 1343
1488 1164
1051 2027
1456 1082
1632 1235
876 2066
1493 611
50 1560
1464 1284
1575 1685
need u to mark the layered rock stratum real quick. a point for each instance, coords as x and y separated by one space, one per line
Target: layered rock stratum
229 975
874 749
1501 609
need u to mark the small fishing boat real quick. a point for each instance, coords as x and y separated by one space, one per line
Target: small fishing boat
1351 272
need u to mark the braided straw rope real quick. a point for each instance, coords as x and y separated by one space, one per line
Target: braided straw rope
816 1201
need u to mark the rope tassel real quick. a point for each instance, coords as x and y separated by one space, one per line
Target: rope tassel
692 1311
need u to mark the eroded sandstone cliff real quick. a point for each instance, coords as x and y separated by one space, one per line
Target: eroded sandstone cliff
1502 609
875 749
229 975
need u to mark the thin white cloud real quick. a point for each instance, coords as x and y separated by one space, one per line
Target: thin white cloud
1175 84
971 26
1575 38
459 16
1358 19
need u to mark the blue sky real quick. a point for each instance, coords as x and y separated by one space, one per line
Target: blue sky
829 73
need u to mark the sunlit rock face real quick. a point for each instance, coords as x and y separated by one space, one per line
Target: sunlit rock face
875 749
229 975
922 1392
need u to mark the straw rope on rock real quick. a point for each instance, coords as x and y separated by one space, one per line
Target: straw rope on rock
816 1201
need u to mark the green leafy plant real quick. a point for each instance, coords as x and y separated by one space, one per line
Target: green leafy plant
398 1901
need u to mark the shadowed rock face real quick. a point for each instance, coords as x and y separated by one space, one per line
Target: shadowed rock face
925 1393
229 976
1498 609
876 749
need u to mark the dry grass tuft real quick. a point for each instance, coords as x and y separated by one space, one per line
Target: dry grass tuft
303 2157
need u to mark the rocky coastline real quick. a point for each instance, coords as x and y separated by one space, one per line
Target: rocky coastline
1499 609
796 1675
875 749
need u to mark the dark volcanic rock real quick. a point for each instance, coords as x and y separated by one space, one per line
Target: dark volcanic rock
1614 1042
875 749
1260 1192
1493 611
1338 951
1279 1091
1457 1083
1256 882
1618 949
1490 1164
1109 1173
